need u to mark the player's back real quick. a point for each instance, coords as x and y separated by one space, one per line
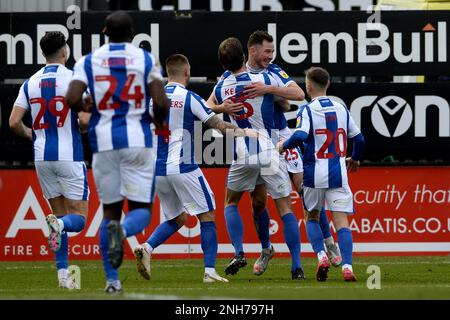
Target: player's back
330 124
258 112
56 134
177 154
117 75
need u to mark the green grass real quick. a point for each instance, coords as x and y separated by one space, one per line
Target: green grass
401 278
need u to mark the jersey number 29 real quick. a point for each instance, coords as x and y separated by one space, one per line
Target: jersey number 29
60 114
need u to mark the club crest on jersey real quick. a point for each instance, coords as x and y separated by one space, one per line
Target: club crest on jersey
283 74
299 120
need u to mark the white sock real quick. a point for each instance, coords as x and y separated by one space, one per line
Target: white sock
210 270
321 254
148 247
62 274
61 224
329 241
347 266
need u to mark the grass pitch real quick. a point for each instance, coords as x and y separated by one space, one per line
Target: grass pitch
401 278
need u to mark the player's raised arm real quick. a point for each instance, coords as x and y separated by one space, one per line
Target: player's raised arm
290 92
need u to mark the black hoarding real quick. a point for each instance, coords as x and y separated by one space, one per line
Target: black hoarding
399 121
346 43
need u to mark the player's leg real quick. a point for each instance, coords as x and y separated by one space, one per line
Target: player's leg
47 172
60 239
208 235
312 203
340 202
235 230
332 250
261 217
241 177
136 168
261 220
72 177
291 235
105 167
279 187
164 231
171 207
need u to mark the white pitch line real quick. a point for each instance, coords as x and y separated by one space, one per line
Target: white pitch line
144 296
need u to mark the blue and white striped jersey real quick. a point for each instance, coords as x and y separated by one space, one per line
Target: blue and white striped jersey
328 125
117 75
283 80
56 135
177 156
258 113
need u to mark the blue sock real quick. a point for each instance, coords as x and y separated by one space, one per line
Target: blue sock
292 238
345 241
235 228
315 236
324 224
208 237
111 273
262 223
135 221
61 256
73 222
162 233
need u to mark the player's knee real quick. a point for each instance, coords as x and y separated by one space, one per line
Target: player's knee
181 219
284 205
312 216
78 207
207 216
258 206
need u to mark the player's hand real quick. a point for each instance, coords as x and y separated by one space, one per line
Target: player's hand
230 107
280 146
352 165
88 103
255 89
162 129
251 133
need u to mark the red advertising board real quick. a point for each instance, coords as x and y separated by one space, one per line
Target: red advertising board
399 211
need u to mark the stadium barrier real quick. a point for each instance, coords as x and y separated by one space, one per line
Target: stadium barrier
346 43
399 211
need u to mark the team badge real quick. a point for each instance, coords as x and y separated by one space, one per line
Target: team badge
283 74
299 120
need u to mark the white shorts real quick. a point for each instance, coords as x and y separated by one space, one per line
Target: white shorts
63 178
124 173
293 159
244 177
336 199
189 192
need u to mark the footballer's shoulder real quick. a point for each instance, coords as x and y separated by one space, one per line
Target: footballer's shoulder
273 67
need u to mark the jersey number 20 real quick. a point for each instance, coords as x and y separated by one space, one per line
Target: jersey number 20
340 152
